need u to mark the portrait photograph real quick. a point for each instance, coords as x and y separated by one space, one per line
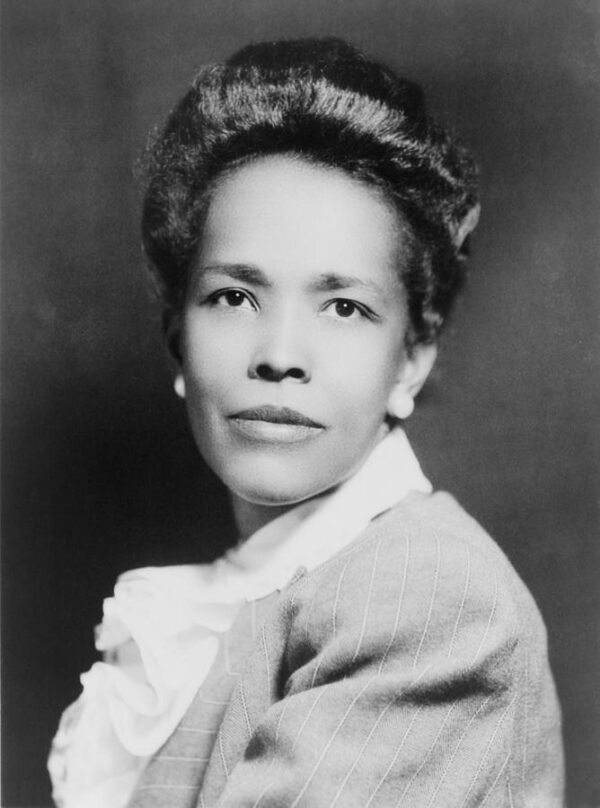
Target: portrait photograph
300 404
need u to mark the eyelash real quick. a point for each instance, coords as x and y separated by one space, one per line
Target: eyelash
363 311
216 298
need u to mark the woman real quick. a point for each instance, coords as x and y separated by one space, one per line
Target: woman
366 643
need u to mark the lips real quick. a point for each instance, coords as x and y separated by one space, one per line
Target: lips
277 426
276 415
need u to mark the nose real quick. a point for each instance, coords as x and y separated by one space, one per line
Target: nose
281 351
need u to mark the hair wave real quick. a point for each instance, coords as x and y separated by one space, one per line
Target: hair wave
326 102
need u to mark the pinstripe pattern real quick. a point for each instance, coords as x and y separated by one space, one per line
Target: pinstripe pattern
451 758
402 672
434 591
398 751
463 599
361 752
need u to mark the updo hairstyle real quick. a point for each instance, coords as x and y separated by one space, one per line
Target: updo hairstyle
323 101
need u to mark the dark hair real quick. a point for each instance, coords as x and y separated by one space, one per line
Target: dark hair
324 101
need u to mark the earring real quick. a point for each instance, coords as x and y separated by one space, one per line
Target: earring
400 403
179 385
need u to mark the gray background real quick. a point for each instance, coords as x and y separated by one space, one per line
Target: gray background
100 473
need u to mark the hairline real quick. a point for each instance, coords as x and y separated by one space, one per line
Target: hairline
374 185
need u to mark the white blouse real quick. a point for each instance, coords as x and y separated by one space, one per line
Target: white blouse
161 630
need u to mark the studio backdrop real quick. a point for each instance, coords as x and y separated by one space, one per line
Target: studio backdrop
100 472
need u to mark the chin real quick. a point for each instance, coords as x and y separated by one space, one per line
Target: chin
277 487
275 495
288 476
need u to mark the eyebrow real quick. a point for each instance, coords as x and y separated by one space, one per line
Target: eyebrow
325 282
245 273
332 282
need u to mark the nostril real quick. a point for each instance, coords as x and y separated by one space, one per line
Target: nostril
269 373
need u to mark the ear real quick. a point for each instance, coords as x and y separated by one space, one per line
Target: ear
417 368
466 226
172 333
411 377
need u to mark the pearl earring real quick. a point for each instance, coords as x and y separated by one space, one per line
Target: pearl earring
400 403
179 385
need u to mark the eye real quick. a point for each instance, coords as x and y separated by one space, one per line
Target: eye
346 309
233 299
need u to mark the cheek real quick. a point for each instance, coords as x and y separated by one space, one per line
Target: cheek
362 375
211 357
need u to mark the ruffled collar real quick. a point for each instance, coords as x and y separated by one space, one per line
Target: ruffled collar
160 631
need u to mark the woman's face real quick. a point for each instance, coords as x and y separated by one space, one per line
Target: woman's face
292 335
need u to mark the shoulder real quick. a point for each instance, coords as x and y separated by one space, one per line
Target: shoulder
402 663
427 580
422 539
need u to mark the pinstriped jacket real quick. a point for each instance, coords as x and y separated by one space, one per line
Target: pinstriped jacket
408 670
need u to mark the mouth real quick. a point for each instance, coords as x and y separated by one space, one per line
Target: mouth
268 424
276 415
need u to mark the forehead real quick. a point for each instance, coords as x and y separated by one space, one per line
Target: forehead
315 219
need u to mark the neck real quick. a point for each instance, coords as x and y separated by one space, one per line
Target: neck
250 517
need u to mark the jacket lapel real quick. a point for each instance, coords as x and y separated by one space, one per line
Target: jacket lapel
174 775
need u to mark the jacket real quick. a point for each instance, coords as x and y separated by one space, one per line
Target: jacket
410 669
